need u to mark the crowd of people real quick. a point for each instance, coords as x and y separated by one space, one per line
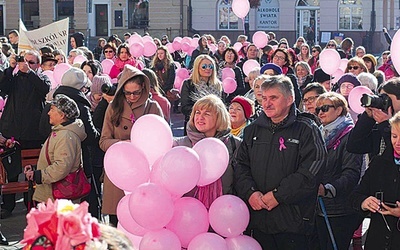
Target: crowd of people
309 167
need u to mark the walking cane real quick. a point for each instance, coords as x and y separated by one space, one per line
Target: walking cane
328 225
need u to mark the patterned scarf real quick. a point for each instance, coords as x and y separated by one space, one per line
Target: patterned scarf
336 130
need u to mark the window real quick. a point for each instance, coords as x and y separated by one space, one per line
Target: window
350 15
138 11
30 13
64 9
227 20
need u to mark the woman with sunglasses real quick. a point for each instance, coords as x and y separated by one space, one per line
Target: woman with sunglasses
332 44
342 173
230 57
203 81
379 194
355 66
131 101
314 60
124 57
109 51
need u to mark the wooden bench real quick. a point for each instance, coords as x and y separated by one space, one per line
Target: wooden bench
28 157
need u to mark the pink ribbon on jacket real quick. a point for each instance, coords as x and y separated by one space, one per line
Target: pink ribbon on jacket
281 143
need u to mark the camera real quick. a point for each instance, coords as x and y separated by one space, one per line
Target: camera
108 89
379 196
20 58
381 101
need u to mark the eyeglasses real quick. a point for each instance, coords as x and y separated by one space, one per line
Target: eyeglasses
313 51
205 66
331 45
323 108
280 58
310 99
346 86
108 51
32 62
352 67
137 92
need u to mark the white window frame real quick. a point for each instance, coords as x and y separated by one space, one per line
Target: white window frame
230 13
352 5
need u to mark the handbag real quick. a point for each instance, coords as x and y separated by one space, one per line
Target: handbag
74 186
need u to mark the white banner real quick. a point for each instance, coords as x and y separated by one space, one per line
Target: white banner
56 33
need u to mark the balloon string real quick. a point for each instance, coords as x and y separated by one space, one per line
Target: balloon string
244 28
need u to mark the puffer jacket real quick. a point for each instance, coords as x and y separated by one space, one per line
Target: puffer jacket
64 151
287 161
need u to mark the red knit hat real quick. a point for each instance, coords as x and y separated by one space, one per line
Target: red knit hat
247 104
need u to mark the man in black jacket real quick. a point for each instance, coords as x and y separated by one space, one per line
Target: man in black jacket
26 91
277 169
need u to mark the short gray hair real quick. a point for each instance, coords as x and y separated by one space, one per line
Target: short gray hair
282 82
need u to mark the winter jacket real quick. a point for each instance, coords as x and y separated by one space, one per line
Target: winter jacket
111 134
288 161
382 175
166 78
194 136
64 151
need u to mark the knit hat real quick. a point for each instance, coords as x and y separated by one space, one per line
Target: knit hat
320 76
371 58
75 78
66 105
273 66
99 81
247 105
349 77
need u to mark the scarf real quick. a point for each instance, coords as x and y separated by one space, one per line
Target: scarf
237 131
120 64
336 130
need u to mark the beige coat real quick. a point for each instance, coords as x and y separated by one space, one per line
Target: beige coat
111 134
65 157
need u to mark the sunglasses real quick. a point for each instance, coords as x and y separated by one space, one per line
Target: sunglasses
352 67
137 92
205 66
310 99
108 51
323 108
313 51
32 62
331 45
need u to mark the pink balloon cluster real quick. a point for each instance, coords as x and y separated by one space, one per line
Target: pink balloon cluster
186 44
181 75
141 46
154 176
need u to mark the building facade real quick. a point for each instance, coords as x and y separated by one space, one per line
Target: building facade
316 20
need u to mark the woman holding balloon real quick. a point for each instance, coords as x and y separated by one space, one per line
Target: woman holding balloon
124 57
203 81
230 57
131 101
210 119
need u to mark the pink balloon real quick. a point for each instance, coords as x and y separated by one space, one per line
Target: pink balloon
195 42
241 8
107 64
209 241
190 219
213 47
229 216
153 144
177 38
214 158
185 46
150 49
59 71
136 49
135 38
1 103
147 39
178 83
182 73
249 65
176 45
329 60
354 98
160 240
151 206
135 240
179 170
126 220
126 165
260 39
177 65
227 72
237 46
186 39
50 75
243 242
343 64
337 74
79 59
394 50
170 48
229 85
190 51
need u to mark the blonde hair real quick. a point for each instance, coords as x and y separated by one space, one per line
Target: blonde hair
195 77
213 104
337 99
360 63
